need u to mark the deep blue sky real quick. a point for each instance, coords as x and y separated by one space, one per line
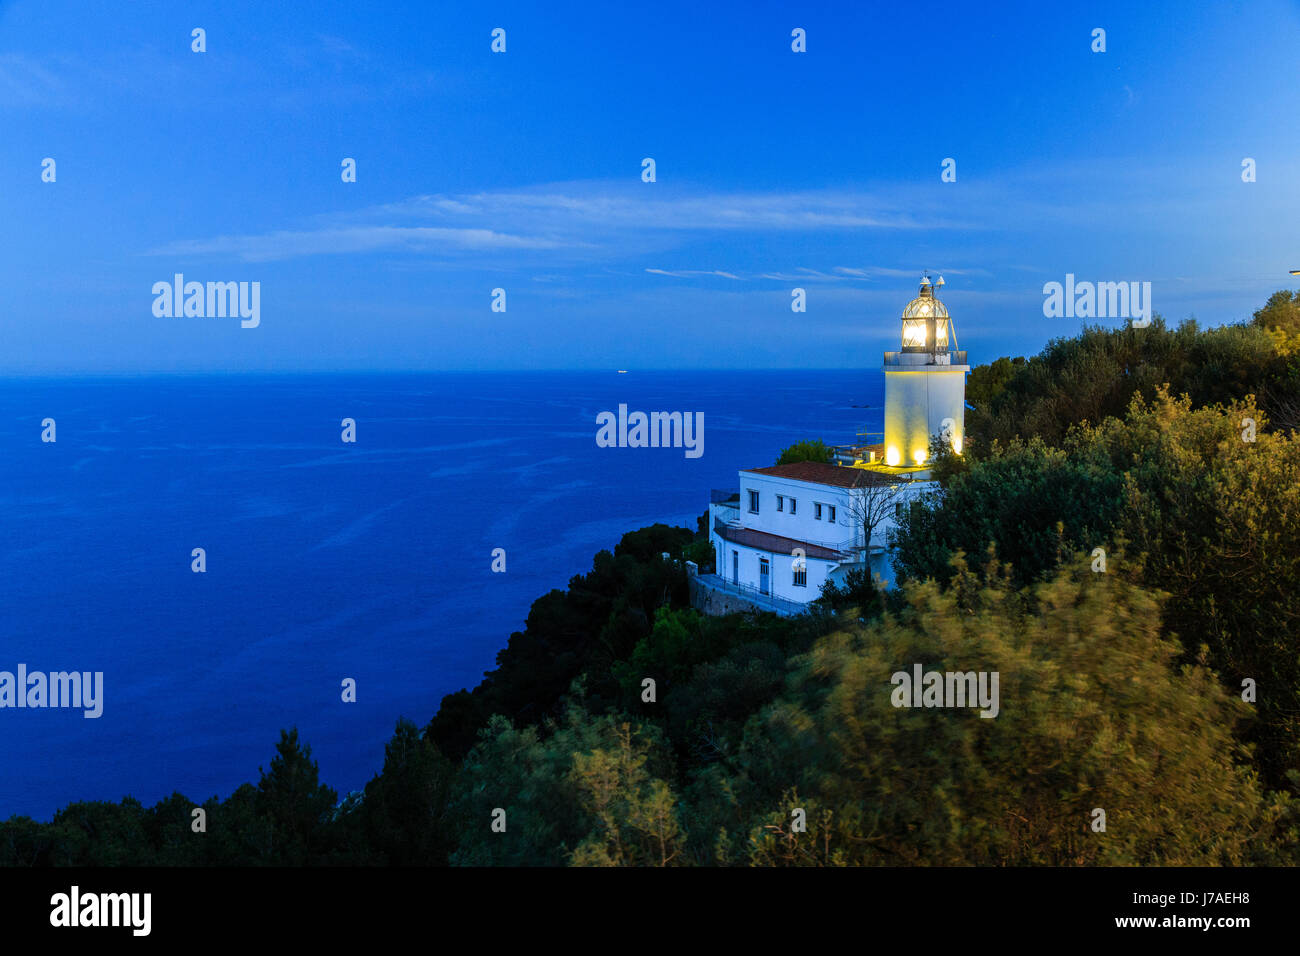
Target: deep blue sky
522 170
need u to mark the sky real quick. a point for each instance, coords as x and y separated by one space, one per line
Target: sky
522 170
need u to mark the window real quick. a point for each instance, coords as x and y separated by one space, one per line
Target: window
792 505
753 502
898 511
832 517
801 577
817 511
780 501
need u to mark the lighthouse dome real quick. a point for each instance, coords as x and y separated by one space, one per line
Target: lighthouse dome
925 305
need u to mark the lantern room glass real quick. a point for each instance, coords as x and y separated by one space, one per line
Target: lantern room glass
914 333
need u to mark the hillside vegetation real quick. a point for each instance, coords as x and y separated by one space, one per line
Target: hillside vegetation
1120 545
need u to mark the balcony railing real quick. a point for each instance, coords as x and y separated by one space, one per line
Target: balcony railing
925 358
754 595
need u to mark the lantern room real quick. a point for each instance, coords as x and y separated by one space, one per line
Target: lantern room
925 321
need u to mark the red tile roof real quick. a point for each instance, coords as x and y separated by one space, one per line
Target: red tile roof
777 544
841 476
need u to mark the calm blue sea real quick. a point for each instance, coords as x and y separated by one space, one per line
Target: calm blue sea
324 560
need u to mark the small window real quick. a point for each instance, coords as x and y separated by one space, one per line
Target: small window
898 511
780 502
801 577
793 503
817 511
832 515
753 502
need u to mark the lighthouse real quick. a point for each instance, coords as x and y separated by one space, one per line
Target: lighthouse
925 384
791 528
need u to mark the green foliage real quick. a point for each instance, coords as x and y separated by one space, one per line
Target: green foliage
598 621
98 833
809 450
706 716
1097 373
944 463
987 382
1031 502
404 811
1281 312
1094 713
634 815
590 790
1217 519
1211 519
292 798
701 552
667 654
859 590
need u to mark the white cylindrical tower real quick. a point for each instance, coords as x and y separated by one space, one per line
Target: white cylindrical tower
925 383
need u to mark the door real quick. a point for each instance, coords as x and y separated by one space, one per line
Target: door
735 567
764 572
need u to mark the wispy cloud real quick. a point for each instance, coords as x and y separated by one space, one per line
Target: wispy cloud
589 221
692 273
880 272
651 207
274 73
578 217
25 81
287 244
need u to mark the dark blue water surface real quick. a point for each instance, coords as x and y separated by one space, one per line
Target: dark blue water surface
324 560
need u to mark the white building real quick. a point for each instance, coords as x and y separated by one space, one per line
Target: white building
793 527
796 526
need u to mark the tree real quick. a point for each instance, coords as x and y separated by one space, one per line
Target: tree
1094 712
1280 313
1096 374
1210 509
809 450
871 502
634 815
1215 509
100 833
297 805
858 590
1030 502
404 811
986 382
586 790
598 621
668 653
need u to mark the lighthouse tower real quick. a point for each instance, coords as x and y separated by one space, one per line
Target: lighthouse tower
925 384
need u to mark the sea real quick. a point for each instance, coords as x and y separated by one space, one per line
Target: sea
325 560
